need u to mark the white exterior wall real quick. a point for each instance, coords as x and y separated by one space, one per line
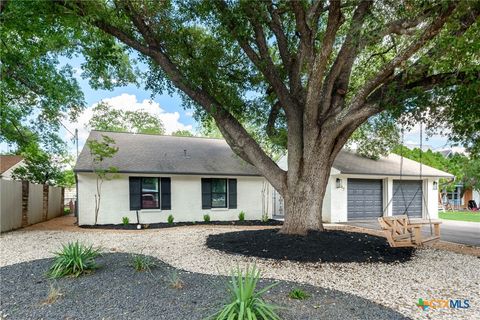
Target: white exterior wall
186 200
339 197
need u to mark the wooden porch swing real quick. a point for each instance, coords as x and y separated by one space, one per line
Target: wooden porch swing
399 230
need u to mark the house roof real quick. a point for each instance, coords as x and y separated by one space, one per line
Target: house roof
8 161
348 162
145 153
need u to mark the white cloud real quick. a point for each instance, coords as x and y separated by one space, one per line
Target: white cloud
171 120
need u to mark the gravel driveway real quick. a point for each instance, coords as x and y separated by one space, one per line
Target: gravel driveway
431 274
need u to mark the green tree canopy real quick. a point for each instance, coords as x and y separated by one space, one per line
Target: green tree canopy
182 133
107 118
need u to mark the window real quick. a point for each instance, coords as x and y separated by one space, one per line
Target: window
150 193
219 193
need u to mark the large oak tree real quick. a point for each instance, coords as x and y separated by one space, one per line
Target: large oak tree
309 72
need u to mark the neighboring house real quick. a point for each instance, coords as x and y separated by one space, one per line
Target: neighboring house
360 188
8 163
158 176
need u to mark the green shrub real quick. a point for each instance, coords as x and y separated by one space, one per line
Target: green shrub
66 211
125 221
265 218
245 302
206 217
170 219
73 260
298 294
142 263
241 216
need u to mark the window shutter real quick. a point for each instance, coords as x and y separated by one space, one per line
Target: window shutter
232 193
166 200
135 193
206 193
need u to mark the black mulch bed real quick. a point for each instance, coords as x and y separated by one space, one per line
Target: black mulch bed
116 291
270 222
327 246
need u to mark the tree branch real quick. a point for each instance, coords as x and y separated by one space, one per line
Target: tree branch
235 134
430 32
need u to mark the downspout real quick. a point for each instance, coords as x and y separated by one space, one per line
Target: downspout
76 200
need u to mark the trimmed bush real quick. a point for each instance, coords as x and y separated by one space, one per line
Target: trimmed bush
206 217
241 216
170 219
125 221
74 259
246 302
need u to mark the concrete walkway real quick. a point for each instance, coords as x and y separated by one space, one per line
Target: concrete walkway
452 231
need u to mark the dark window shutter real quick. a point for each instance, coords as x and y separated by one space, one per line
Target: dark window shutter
166 201
135 193
206 193
232 193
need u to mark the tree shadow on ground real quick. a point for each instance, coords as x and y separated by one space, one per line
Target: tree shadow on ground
327 246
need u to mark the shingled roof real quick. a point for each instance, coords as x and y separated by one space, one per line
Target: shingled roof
146 153
8 161
348 162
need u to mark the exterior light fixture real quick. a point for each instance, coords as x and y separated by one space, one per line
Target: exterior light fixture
435 185
338 183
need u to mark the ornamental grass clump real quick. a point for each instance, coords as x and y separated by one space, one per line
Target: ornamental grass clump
74 260
246 303
298 294
142 263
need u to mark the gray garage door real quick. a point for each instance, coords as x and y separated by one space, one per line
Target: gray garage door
407 193
364 198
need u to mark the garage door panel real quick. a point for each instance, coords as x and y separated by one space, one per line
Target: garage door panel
365 198
407 194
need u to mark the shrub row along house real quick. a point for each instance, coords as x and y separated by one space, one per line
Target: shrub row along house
188 177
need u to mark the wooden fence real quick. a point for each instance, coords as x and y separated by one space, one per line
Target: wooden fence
23 203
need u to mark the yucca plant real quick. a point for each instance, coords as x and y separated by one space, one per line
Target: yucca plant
246 302
73 260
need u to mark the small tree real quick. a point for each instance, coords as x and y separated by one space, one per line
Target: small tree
99 151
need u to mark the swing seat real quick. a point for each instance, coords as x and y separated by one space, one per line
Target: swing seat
400 232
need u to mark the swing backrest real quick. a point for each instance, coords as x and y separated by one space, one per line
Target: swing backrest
397 225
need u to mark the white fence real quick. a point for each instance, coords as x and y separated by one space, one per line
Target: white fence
23 203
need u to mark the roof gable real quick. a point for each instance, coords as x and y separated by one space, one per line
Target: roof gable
8 161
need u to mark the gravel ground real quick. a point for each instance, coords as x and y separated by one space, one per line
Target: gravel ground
430 274
116 291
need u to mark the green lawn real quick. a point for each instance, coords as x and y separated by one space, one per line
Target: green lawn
460 215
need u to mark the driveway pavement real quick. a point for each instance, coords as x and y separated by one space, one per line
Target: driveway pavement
453 231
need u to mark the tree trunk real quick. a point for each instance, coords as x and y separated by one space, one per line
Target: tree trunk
303 202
